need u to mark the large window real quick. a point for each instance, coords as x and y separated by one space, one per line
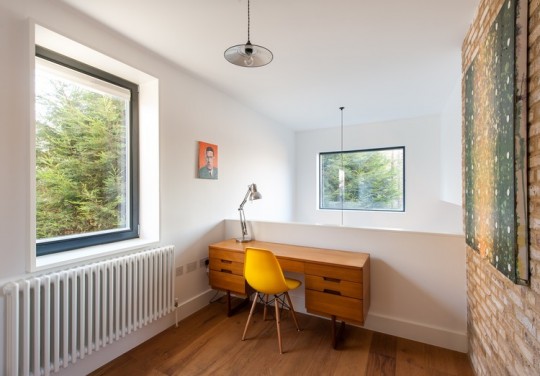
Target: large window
363 180
86 155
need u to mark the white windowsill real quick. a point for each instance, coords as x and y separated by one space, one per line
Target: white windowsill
90 253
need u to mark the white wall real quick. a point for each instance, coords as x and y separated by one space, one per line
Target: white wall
191 209
418 283
424 210
451 148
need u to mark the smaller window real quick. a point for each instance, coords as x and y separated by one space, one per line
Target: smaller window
363 180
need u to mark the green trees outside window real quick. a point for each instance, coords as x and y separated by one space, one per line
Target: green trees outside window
83 159
363 180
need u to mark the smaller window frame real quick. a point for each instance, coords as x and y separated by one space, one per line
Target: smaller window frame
320 198
132 232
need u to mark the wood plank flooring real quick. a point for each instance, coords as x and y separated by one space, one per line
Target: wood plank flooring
209 343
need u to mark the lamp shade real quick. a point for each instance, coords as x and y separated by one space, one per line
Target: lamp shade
255 194
248 55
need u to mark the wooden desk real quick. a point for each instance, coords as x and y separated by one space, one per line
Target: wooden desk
336 282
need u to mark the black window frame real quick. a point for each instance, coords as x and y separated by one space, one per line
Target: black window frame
132 232
357 151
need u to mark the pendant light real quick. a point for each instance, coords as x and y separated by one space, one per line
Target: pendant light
248 55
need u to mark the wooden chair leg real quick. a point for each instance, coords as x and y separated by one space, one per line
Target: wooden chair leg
250 314
292 311
276 305
265 306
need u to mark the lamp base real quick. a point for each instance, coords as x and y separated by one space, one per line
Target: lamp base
245 239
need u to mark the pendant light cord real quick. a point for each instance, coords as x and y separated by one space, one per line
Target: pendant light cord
248 23
342 108
342 167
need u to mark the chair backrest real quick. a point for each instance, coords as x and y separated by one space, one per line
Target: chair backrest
263 272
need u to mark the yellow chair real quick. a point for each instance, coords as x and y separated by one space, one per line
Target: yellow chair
263 272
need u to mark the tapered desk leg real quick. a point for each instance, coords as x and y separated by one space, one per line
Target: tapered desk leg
337 334
232 310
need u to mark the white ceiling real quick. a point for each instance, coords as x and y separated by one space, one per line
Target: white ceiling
381 59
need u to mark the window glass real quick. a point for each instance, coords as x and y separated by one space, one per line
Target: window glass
86 191
363 180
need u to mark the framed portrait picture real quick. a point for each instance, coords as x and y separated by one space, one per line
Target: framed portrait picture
208 161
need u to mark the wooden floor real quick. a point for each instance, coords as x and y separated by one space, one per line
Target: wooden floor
209 343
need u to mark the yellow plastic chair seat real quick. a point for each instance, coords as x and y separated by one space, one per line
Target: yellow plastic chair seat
292 283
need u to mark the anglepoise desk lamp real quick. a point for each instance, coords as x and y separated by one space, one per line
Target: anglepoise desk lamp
251 194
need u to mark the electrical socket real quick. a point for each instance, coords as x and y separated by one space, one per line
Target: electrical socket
179 270
191 266
204 262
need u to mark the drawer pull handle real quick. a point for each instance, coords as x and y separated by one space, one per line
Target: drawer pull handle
226 271
226 261
333 292
329 279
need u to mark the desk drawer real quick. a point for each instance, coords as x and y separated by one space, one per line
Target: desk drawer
226 266
330 271
226 255
343 307
227 281
334 286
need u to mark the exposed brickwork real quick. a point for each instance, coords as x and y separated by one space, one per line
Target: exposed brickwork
503 318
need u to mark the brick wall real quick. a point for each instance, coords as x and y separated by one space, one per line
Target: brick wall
503 318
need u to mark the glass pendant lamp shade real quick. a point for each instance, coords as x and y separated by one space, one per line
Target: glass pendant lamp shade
248 55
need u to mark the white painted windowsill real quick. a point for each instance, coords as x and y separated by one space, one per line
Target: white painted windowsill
79 256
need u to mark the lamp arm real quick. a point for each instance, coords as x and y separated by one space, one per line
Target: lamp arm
243 223
250 194
245 198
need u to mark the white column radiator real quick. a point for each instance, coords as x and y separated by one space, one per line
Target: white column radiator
54 319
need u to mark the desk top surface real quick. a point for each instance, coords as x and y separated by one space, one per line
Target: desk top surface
300 253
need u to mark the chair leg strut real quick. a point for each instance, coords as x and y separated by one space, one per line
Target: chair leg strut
265 306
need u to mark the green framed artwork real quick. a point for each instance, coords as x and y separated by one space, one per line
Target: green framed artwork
495 145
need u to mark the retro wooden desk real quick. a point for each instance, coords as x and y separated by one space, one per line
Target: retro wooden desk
336 282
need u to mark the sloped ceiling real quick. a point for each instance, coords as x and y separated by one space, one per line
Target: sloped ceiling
382 60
